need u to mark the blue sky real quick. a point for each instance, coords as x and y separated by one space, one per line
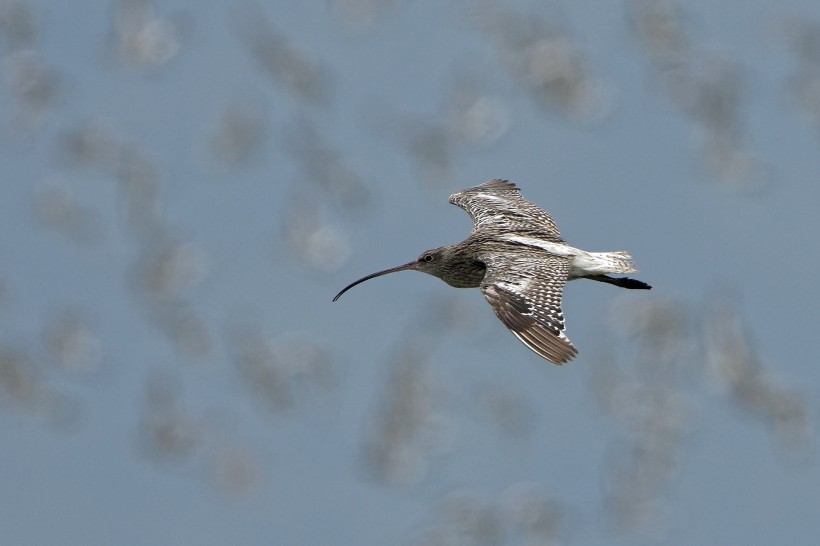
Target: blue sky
186 185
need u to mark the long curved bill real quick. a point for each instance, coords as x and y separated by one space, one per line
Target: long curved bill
411 265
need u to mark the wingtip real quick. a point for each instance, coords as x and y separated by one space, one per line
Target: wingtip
551 348
498 184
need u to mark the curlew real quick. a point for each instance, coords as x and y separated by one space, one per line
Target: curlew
516 256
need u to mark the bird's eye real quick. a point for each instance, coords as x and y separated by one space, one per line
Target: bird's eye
428 258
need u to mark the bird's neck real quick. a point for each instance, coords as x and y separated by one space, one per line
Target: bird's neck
461 268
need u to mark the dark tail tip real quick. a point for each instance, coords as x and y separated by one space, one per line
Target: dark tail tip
633 284
623 282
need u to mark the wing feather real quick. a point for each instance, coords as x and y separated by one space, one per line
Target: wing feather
525 294
497 205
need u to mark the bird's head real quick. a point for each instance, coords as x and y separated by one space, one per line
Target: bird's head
454 264
430 261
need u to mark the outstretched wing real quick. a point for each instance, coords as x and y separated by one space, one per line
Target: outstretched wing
497 205
525 293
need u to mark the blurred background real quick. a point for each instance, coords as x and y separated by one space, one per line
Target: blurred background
186 185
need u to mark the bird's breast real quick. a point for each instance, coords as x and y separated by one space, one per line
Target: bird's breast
465 274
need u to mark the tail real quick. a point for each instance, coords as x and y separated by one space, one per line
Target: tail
614 262
623 282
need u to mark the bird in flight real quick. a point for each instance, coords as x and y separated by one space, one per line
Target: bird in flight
516 256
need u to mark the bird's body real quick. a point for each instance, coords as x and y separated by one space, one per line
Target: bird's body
516 256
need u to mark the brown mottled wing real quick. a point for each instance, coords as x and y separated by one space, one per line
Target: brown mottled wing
525 293
497 205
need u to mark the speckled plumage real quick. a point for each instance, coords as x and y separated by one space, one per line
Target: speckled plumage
497 206
516 256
